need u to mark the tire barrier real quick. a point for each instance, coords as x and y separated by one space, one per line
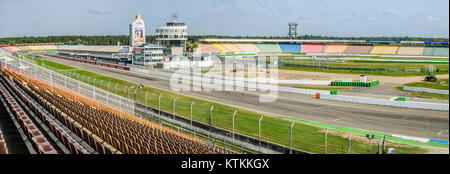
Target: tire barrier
356 84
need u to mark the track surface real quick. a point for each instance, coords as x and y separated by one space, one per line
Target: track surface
410 122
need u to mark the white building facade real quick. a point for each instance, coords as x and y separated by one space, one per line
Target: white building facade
147 55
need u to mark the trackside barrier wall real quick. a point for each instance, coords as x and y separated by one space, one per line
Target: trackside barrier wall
385 102
428 90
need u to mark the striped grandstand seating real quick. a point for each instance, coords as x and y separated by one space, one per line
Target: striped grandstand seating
231 47
269 48
10 48
221 48
312 48
384 50
35 47
104 129
248 48
436 51
358 49
290 48
48 47
410 50
24 48
207 48
335 49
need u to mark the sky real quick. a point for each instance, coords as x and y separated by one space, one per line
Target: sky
413 18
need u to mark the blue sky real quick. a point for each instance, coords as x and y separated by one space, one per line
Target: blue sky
420 18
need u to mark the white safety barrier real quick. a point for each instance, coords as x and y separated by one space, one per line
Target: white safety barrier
428 90
385 102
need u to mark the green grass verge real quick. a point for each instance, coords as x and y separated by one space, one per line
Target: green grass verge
442 84
412 62
275 129
377 134
49 64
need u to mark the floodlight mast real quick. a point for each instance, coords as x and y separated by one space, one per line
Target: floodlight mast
292 29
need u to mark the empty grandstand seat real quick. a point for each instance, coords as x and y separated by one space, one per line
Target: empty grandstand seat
104 128
207 48
358 49
411 50
384 50
249 48
436 51
312 48
46 148
335 49
269 48
290 48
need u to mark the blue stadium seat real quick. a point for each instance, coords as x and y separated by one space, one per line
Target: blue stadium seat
290 48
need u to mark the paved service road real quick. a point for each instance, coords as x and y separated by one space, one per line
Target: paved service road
409 122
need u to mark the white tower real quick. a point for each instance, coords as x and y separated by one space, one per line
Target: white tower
137 32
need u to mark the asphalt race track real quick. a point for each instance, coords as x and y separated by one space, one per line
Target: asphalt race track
402 121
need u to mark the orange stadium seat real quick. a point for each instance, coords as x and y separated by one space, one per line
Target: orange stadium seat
335 49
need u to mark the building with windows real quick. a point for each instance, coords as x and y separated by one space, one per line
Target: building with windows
147 55
173 36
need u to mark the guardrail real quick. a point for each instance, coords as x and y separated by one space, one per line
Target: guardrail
385 102
428 90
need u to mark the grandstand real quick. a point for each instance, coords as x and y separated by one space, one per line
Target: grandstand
358 49
30 48
325 47
290 48
222 48
436 51
269 47
335 49
208 48
410 50
230 47
384 50
312 48
248 47
57 120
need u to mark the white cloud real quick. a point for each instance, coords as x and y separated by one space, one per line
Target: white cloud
432 19
98 11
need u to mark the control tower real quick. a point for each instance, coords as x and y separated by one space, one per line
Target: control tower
173 35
